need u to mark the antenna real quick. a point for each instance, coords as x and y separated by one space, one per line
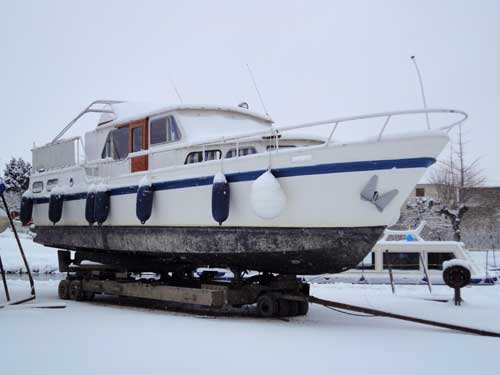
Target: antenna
176 91
422 91
257 89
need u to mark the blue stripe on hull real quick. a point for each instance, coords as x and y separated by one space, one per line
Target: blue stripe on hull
356 166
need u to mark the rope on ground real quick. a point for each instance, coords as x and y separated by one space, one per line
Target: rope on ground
348 313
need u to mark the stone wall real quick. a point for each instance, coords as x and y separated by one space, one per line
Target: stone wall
480 226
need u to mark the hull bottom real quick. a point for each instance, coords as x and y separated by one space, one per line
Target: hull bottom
305 251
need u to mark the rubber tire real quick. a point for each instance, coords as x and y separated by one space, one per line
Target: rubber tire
89 296
294 308
303 308
75 291
267 306
283 308
63 289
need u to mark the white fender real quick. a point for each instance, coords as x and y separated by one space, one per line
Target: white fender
268 198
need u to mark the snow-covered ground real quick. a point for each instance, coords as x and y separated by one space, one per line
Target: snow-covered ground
41 259
102 337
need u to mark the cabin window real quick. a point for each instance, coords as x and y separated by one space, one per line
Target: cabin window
273 147
120 143
163 130
137 139
435 260
116 145
37 187
52 183
402 261
420 192
243 151
196 156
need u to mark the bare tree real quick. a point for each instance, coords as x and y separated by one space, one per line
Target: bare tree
455 179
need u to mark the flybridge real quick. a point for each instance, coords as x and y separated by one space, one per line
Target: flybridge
114 114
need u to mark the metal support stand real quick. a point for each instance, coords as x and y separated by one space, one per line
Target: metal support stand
391 278
32 283
2 271
426 272
457 297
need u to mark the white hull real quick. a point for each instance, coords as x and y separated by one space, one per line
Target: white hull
321 183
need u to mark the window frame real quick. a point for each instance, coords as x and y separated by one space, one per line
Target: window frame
274 148
419 192
399 262
171 118
33 187
239 151
204 159
51 186
442 257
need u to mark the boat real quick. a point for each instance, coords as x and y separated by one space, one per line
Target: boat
411 260
174 188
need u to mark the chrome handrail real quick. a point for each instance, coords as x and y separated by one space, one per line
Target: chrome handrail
88 109
274 130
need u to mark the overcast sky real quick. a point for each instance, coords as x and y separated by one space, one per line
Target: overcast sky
312 60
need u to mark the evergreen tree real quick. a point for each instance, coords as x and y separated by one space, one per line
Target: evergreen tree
17 175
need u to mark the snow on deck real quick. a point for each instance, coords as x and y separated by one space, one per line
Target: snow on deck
98 337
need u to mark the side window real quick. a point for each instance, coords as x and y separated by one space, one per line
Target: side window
158 131
435 260
52 183
116 145
107 150
163 130
137 139
37 187
272 147
196 156
401 261
120 143
173 130
242 152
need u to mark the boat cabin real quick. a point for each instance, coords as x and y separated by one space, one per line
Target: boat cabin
131 138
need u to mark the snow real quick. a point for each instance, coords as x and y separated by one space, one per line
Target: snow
268 198
41 259
58 190
114 338
145 181
107 337
220 178
27 194
100 188
457 262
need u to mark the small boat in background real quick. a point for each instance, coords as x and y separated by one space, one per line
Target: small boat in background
410 258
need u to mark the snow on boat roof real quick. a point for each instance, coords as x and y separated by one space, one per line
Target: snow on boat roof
132 111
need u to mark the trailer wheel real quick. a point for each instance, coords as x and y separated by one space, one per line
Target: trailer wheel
303 307
267 306
294 308
75 291
283 308
63 289
89 296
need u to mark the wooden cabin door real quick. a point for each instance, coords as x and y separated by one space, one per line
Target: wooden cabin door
138 140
